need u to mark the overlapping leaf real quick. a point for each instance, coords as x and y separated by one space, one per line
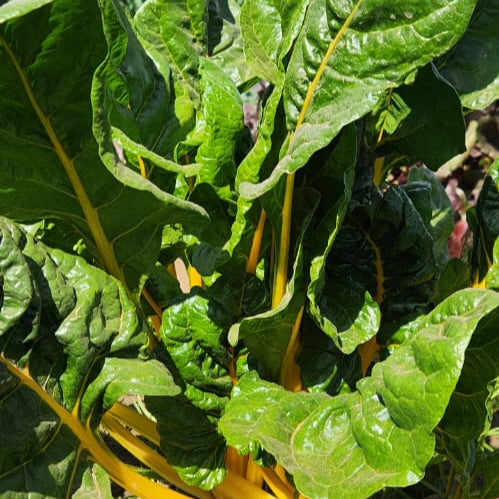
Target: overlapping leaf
372 243
352 445
50 165
134 98
472 66
67 331
484 221
344 60
417 132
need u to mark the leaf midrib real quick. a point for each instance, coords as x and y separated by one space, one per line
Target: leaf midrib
104 246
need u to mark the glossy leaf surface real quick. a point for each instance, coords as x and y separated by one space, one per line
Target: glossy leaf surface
379 435
62 324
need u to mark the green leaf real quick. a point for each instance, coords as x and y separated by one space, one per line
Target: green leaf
353 445
468 415
370 246
472 66
63 324
430 199
51 167
323 367
456 275
483 219
269 29
192 331
17 8
222 116
341 309
95 483
190 440
490 470
344 61
418 132
136 97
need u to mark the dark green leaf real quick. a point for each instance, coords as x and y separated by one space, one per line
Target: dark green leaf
421 132
483 219
190 440
472 66
386 248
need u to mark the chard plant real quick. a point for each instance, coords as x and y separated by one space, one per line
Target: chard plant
326 345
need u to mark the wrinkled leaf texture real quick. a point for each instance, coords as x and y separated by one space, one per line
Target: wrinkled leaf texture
50 162
354 444
344 61
68 333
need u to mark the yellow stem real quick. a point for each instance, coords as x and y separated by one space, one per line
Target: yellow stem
256 244
254 473
276 485
237 487
137 422
142 166
235 462
151 459
104 247
378 176
195 278
290 370
120 473
331 48
281 276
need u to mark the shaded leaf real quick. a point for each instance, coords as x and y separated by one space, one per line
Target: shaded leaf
472 66
372 242
421 132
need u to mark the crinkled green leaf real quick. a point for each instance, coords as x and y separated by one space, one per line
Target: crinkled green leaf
17 8
50 164
63 323
341 309
472 66
354 444
468 415
323 366
193 331
222 116
268 30
178 34
430 199
115 380
137 98
418 132
346 57
348 313
386 248
190 440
